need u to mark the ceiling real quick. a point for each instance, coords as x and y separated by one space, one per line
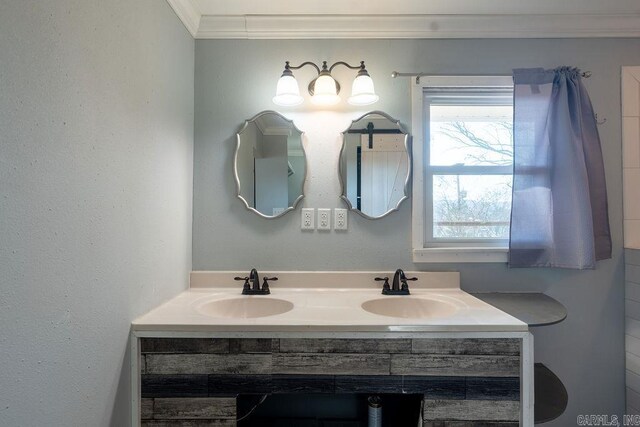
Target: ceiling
307 19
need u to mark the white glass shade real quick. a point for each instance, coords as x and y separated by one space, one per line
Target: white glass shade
362 91
325 91
287 92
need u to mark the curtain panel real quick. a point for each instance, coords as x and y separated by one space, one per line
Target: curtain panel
559 215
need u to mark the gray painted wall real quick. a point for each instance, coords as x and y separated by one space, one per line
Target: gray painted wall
96 148
236 79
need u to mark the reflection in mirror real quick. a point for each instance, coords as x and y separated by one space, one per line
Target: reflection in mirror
375 165
270 164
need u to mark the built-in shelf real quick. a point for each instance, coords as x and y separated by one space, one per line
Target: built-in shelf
534 309
551 396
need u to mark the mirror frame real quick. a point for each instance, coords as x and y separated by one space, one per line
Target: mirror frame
235 165
407 183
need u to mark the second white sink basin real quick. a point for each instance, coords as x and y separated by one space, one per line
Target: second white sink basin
409 307
245 308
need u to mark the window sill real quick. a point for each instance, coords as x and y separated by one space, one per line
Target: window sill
460 255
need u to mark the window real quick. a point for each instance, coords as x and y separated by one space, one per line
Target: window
463 151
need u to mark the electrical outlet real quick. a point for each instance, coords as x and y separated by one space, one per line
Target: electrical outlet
324 219
308 219
340 219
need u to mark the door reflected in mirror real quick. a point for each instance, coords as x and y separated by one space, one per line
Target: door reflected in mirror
270 164
375 165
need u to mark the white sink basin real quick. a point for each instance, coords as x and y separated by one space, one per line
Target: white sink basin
409 307
245 308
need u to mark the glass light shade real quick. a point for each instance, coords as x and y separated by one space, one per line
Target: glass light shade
287 92
362 91
325 91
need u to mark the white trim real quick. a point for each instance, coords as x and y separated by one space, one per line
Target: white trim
430 252
460 254
320 335
188 13
527 381
406 26
135 380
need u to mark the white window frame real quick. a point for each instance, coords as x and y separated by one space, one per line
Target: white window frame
443 252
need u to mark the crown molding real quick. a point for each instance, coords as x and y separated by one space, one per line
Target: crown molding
188 12
417 26
413 26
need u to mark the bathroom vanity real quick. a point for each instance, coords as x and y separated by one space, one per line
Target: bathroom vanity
330 333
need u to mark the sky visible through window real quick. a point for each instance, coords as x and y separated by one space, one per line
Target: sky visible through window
467 203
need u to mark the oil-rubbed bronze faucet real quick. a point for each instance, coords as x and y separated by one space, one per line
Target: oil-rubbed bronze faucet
254 288
399 286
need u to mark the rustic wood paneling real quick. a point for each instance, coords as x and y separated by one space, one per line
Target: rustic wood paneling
469 424
188 379
257 345
433 387
226 384
331 364
470 346
345 346
146 409
493 388
174 385
184 345
303 384
195 408
476 366
175 364
189 423
471 410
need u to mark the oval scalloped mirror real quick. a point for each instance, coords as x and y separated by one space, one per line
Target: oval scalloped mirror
375 165
270 165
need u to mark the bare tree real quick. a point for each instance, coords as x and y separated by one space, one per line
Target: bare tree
461 217
494 141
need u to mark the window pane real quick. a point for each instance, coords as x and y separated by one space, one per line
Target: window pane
478 135
471 206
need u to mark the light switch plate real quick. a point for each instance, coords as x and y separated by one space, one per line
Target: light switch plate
324 219
340 219
308 219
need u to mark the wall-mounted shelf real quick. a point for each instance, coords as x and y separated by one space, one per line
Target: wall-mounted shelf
535 309
551 396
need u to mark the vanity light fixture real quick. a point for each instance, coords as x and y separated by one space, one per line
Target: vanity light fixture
324 89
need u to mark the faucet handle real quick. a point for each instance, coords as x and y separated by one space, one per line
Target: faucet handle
411 279
385 285
265 283
246 285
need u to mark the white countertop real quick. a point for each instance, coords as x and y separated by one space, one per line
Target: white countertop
326 302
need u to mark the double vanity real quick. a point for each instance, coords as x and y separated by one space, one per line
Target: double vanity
195 356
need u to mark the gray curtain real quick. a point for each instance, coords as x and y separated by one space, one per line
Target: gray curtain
559 215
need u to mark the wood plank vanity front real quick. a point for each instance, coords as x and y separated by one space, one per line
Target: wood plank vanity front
473 373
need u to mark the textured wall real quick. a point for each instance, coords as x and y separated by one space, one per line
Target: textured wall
236 79
96 147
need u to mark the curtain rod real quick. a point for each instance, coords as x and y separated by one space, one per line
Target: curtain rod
395 74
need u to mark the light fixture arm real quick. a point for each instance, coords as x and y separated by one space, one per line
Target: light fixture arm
352 67
297 67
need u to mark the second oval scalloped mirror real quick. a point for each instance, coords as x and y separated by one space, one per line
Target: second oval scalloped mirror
270 164
375 165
